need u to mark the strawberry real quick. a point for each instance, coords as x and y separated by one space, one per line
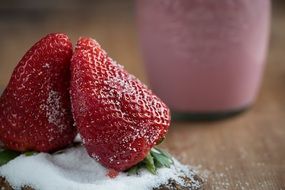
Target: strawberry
35 111
119 119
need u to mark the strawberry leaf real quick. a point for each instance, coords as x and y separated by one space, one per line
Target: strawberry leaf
162 158
161 161
154 160
165 154
133 170
7 155
149 164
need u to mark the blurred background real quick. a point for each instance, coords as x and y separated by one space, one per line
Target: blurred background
245 152
111 22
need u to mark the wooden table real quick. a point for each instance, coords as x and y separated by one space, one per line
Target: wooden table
244 152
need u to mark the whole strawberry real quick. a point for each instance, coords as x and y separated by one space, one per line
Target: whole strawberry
118 117
35 111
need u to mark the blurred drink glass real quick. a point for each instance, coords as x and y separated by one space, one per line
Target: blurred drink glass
204 58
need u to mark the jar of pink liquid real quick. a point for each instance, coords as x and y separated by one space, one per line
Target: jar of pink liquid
204 58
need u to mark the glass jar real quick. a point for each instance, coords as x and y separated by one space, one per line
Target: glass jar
204 58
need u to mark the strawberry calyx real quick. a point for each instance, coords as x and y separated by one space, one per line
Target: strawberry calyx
155 159
7 155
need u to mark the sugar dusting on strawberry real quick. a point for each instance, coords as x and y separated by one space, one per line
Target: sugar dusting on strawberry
35 107
118 117
54 110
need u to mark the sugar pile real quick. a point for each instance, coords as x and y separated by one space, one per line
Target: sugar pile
75 170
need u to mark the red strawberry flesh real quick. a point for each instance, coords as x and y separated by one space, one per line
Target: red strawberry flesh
118 117
35 111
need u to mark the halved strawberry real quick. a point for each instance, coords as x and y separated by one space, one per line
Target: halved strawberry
35 111
118 117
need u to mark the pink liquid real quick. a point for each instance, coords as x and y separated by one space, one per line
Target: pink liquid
204 55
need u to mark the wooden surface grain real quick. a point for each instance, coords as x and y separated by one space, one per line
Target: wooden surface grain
244 152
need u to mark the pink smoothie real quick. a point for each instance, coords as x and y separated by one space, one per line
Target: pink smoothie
204 55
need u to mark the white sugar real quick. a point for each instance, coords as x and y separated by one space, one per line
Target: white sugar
75 170
77 138
46 65
54 110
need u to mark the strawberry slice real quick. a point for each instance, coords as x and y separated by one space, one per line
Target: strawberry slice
118 117
35 111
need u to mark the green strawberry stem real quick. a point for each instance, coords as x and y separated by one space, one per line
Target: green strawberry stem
155 159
